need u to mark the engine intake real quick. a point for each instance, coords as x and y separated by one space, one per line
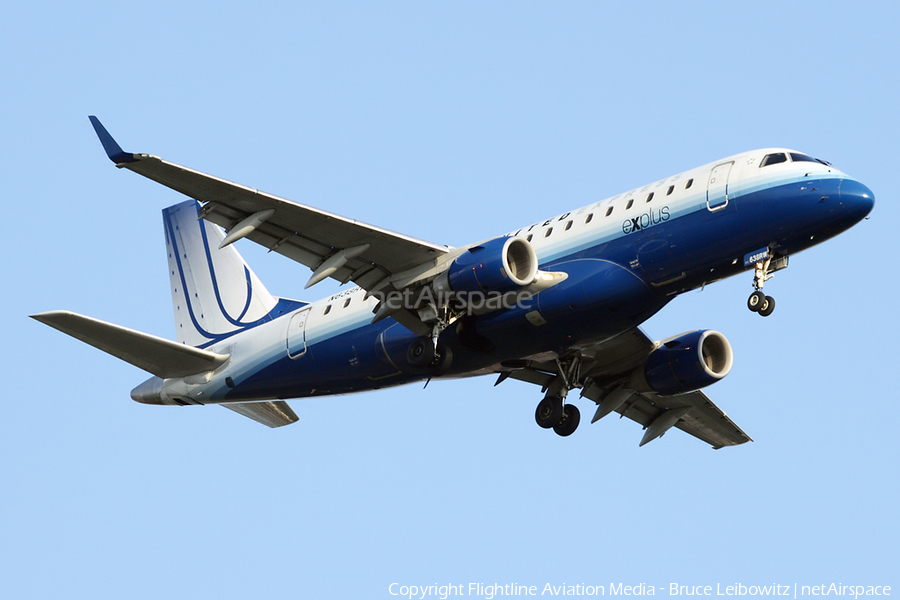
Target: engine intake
500 265
688 362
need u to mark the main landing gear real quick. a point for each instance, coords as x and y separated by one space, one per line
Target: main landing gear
758 301
425 356
552 412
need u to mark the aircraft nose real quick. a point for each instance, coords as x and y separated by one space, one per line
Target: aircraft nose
857 198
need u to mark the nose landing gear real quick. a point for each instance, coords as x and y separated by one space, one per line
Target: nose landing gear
758 301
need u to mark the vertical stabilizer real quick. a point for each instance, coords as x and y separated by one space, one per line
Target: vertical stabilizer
214 292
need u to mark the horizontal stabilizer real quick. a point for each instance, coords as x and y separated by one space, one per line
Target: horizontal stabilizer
159 356
272 414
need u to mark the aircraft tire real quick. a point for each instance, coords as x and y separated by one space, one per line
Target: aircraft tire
444 361
569 423
420 352
768 307
549 412
756 301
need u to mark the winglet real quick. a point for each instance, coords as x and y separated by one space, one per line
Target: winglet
113 150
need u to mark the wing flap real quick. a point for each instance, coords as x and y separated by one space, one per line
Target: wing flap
272 414
159 356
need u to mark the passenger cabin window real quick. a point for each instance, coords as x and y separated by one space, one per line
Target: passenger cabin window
630 203
588 218
548 232
773 159
528 239
569 225
327 310
347 302
609 211
689 183
650 196
670 190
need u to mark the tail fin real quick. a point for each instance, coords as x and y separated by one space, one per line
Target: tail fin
214 292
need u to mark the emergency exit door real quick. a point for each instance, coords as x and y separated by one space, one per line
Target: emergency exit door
296 334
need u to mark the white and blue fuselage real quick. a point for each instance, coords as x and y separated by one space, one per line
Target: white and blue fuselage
625 258
556 303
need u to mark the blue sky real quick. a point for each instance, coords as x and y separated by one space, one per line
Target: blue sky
451 122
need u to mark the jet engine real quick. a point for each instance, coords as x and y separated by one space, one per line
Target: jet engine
500 265
688 362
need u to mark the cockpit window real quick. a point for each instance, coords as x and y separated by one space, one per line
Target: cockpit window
773 159
799 157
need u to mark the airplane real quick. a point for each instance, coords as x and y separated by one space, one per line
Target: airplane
557 303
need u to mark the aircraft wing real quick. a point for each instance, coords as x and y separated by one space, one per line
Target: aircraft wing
609 364
705 421
331 245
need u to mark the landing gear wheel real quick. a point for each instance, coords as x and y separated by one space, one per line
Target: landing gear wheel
444 360
569 422
420 352
768 307
756 301
549 412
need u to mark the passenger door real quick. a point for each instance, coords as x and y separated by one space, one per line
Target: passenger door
717 188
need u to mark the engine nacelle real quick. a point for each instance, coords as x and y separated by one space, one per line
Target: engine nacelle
500 265
688 362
